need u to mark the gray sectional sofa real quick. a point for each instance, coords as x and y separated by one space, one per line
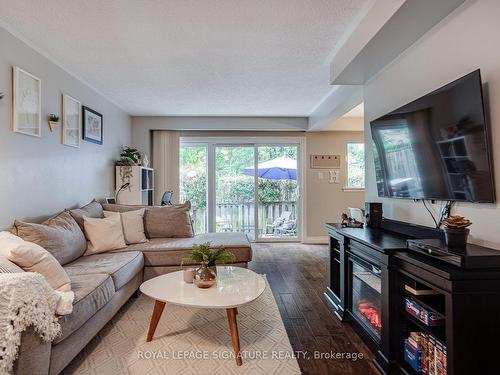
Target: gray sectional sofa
102 283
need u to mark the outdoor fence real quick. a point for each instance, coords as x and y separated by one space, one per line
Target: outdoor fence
240 217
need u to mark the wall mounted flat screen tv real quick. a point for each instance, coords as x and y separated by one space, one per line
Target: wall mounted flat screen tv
436 147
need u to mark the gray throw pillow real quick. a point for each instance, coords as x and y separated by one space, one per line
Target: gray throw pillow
60 235
122 207
168 221
93 210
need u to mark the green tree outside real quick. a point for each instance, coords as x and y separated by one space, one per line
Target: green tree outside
232 186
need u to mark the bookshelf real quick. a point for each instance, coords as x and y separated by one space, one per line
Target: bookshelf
428 342
141 189
465 301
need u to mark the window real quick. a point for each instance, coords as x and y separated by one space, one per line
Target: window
355 166
193 183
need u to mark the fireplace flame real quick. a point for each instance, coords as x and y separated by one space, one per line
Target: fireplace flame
371 314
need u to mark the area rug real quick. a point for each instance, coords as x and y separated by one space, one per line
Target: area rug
189 341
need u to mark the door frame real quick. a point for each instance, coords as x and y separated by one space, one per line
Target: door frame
212 142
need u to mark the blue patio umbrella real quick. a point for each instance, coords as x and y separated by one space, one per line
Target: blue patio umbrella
282 168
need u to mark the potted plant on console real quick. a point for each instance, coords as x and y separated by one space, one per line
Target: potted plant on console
456 232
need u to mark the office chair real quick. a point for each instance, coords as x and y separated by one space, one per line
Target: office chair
166 200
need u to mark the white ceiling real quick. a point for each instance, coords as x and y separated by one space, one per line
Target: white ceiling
191 57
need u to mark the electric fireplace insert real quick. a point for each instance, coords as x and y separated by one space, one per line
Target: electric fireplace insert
366 295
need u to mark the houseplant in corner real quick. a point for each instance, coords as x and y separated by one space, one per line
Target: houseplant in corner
129 157
208 258
456 232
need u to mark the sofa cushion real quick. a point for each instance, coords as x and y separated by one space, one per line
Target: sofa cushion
92 292
169 221
133 225
111 207
104 234
162 221
60 235
93 209
122 267
34 258
170 251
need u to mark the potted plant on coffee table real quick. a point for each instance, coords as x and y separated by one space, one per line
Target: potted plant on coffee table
208 258
456 232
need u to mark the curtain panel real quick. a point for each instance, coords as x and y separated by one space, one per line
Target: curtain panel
166 163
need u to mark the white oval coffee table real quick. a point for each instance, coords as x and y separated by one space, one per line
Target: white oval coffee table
235 287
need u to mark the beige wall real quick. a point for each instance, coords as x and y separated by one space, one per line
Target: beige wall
346 124
324 201
40 176
460 44
142 126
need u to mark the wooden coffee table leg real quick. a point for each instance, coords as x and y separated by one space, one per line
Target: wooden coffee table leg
155 318
235 338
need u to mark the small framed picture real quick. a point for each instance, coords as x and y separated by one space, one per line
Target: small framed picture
92 126
72 116
27 103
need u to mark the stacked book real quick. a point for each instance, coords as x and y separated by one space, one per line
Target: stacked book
418 289
425 354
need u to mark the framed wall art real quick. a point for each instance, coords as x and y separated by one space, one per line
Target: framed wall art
27 103
71 122
92 126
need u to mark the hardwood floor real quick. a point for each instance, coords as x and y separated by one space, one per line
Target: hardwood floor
297 275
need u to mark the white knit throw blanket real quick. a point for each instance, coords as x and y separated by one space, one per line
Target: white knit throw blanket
25 300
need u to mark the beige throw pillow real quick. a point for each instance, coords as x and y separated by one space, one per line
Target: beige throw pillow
33 258
133 225
60 235
104 234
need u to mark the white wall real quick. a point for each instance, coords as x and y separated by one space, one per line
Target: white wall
40 176
466 40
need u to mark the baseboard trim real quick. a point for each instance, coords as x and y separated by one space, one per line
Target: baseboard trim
315 240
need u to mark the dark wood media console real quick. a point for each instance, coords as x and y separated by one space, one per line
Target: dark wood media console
369 273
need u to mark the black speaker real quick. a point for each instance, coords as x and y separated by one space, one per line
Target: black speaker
373 214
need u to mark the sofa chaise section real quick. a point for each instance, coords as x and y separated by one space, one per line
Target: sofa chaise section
164 255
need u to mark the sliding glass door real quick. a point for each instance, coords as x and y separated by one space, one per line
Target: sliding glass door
240 186
278 192
193 183
234 190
